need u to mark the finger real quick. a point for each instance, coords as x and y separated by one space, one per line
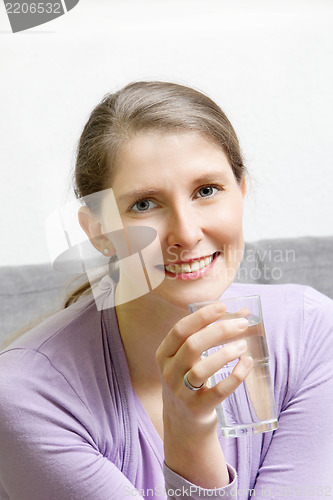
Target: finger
242 313
215 395
188 360
208 366
189 325
222 332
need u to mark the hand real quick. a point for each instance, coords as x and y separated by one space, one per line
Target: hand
181 351
191 446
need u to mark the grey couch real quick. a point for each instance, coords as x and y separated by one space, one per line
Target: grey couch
28 292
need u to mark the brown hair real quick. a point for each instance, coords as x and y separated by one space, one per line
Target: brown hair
140 107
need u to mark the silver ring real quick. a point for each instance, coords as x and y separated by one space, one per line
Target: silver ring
189 385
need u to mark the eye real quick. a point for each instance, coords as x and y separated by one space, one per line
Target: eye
143 206
207 191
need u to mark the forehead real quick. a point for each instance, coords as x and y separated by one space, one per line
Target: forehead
154 157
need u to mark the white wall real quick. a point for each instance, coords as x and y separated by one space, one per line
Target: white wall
268 64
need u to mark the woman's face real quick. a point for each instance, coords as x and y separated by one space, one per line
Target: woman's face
183 186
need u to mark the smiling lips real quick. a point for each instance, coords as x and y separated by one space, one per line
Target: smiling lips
193 269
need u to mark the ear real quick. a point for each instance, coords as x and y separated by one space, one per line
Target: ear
92 226
243 186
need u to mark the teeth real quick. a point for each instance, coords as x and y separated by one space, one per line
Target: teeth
195 266
189 268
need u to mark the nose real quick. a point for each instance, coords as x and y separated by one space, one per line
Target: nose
184 228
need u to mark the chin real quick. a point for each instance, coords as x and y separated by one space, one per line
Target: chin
194 291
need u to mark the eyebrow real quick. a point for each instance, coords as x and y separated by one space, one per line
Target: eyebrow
139 193
212 176
206 178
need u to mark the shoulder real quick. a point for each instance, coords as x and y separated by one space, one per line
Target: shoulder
42 355
68 351
77 322
291 312
295 318
57 328
285 299
65 371
299 328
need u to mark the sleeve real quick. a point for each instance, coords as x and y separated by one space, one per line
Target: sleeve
47 445
47 451
179 489
299 460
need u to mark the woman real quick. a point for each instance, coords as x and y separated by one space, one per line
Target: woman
93 402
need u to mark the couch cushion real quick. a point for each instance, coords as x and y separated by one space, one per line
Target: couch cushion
27 292
305 260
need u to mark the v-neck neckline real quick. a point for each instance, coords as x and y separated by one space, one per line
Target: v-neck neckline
143 421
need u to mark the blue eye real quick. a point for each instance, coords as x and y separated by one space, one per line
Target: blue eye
207 191
143 205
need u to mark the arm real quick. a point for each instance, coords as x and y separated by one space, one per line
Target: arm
191 446
48 449
299 460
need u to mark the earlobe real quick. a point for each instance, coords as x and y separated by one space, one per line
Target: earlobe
92 226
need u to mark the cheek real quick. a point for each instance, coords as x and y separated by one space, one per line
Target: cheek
158 223
229 222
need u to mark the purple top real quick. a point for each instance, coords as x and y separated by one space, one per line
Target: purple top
72 427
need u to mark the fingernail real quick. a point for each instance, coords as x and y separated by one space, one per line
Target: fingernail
220 307
241 345
242 323
247 361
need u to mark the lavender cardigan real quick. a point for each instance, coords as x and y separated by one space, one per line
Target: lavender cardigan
72 427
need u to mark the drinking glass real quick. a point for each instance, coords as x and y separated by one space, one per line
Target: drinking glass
251 407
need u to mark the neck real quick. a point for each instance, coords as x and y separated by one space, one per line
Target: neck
143 324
